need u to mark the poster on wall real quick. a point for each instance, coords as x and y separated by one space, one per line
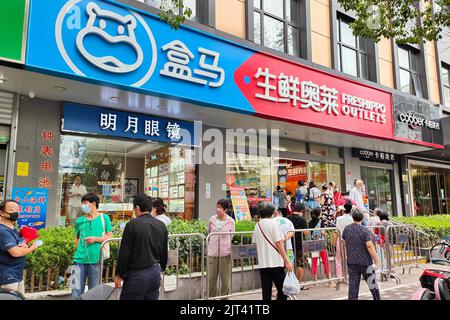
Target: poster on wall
33 206
240 204
73 155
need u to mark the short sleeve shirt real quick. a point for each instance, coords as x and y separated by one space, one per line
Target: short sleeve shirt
11 268
84 228
286 226
356 236
268 256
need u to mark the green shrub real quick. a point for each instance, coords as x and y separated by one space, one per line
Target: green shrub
241 227
56 253
436 226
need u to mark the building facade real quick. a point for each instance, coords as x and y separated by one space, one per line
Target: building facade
106 91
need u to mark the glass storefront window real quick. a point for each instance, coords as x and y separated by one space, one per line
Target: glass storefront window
291 146
324 151
252 172
117 170
378 187
322 173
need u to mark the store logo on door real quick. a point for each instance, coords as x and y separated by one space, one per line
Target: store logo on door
102 41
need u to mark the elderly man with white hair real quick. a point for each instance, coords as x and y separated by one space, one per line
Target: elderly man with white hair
356 195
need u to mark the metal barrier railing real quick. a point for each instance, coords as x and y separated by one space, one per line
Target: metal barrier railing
404 249
176 243
102 258
183 242
238 247
401 249
323 244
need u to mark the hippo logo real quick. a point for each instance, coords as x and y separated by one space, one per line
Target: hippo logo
125 35
110 43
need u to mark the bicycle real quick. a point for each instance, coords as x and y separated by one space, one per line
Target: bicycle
440 252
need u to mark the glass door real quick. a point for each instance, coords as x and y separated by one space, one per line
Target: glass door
421 187
378 187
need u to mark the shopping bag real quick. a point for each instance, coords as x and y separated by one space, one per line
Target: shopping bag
291 286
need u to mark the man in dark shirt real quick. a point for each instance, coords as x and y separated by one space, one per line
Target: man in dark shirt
360 254
143 254
13 248
299 223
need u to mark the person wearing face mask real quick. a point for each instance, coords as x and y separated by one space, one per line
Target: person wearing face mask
13 248
219 249
143 253
90 231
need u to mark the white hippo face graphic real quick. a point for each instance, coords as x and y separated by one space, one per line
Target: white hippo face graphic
105 28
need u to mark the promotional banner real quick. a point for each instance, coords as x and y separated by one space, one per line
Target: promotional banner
109 43
33 206
240 204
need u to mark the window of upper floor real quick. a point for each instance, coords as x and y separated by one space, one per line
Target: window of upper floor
408 63
276 24
446 83
199 8
352 51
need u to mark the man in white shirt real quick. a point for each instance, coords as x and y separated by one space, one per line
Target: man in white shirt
356 194
287 229
76 192
272 257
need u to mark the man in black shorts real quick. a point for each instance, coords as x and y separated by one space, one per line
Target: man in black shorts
299 223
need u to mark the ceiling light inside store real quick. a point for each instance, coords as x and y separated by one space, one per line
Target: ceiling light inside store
59 88
114 99
2 80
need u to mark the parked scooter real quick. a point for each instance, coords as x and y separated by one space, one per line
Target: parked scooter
435 285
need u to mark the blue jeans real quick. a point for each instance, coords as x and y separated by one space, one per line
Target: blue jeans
79 274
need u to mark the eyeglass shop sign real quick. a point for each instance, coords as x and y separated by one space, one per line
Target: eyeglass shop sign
108 122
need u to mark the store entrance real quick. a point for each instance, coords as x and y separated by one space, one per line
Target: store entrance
430 190
378 187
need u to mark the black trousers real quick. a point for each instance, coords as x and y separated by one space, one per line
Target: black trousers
142 284
355 271
269 276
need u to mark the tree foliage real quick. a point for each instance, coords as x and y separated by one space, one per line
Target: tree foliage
174 12
406 21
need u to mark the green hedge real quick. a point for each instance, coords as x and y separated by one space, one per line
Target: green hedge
436 226
59 244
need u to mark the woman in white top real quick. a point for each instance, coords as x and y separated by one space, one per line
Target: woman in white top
341 222
159 211
76 192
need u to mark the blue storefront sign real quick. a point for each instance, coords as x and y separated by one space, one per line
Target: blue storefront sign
110 122
103 41
33 206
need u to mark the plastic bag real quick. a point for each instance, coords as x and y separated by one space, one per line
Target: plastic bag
291 286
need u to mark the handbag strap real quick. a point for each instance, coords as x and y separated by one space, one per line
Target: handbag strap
103 223
270 242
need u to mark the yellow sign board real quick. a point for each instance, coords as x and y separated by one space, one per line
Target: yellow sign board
22 169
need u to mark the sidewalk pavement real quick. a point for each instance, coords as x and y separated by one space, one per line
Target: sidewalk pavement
390 290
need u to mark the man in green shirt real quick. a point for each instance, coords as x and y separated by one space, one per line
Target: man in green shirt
90 231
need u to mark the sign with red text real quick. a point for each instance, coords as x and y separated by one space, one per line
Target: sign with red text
284 90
